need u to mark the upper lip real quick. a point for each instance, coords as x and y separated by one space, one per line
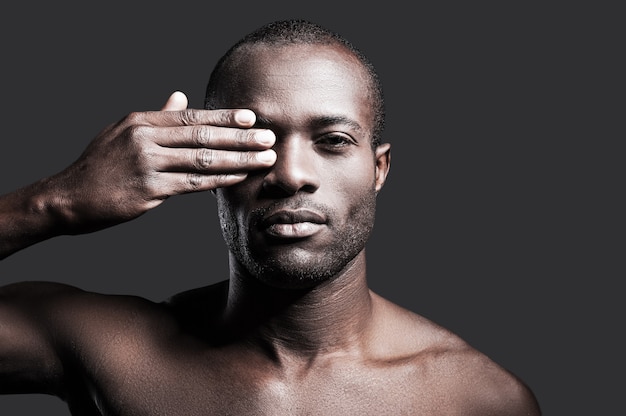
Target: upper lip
292 216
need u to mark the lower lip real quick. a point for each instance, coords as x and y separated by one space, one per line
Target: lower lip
297 230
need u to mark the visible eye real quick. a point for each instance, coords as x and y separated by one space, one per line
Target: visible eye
335 142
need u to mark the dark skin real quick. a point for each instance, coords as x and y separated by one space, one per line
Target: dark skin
295 330
132 167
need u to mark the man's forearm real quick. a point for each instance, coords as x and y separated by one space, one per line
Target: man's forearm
27 216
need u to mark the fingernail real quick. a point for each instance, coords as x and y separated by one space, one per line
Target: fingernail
266 137
245 117
267 156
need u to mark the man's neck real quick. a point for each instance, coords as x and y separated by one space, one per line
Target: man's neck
328 318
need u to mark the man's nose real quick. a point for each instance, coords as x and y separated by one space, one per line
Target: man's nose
295 168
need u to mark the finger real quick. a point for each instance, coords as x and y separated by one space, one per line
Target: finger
176 102
174 183
224 138
194 117
212 161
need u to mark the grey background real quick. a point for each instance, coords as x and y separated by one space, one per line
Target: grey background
500 219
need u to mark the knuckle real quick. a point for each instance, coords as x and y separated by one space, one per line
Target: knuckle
201 135
204 158
194 180
225 117
134 118
246 136
150 185
189 117
136 133
244 158
148 155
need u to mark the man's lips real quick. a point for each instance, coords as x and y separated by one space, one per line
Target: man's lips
292 216
297 223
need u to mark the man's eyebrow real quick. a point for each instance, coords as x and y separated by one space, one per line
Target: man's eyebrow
326 121
316 122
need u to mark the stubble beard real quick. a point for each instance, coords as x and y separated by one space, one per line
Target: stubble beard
297 267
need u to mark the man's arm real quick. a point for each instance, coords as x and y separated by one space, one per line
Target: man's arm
131 167
29 356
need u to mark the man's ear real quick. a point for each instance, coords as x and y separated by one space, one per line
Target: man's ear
383 163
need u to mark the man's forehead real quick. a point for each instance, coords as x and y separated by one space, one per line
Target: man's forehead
300 84
272 55
276 69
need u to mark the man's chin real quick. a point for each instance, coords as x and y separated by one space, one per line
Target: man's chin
297 268
292 279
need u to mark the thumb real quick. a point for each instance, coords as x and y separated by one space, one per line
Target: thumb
177 101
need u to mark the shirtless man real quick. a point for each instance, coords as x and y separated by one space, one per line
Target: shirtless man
294 330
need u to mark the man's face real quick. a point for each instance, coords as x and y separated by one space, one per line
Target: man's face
302 221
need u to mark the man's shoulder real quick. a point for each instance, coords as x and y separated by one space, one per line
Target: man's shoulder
434 356
76 313
470 380
411 334
67 302
485 387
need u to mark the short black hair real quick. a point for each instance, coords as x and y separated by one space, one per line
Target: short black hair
300 31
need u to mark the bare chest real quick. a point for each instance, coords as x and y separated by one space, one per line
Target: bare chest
225 384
